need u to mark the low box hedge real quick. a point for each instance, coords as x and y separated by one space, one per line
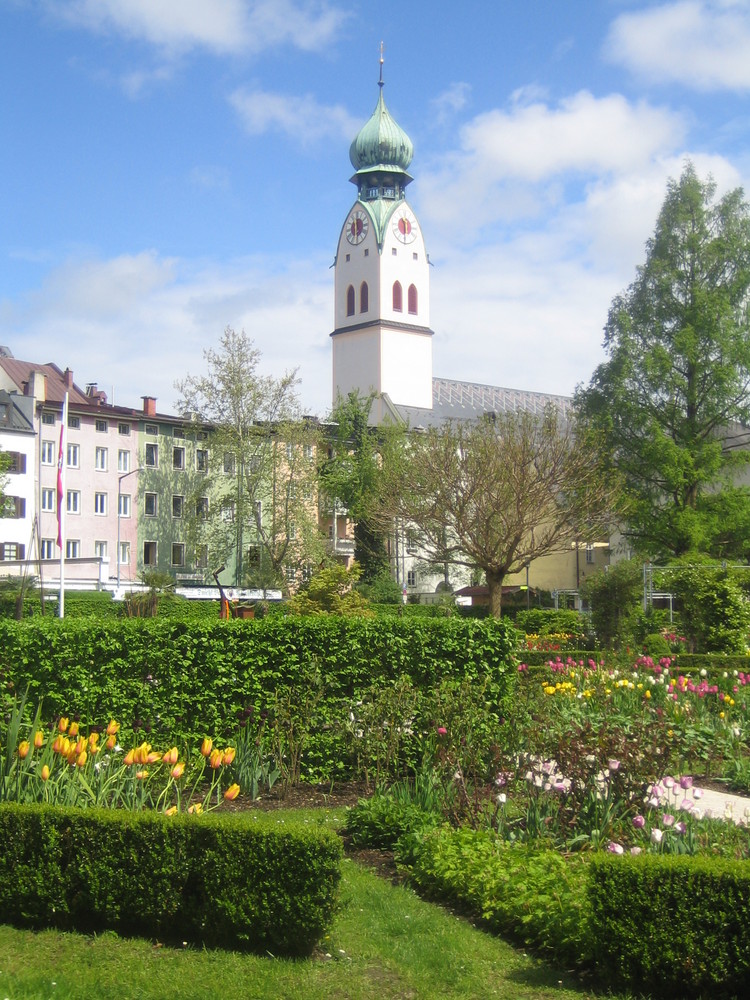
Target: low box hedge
238 881
672 925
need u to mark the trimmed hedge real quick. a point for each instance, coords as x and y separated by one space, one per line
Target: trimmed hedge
186 679
676 926
235 881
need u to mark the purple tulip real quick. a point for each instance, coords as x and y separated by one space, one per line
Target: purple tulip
667 819
686 782
639 821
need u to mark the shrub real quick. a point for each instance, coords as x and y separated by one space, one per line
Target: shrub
230 881
674 925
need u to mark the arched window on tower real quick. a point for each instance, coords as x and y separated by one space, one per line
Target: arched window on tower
398 297
412 300
364 297
350 300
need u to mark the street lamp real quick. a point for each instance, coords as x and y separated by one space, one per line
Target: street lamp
119 514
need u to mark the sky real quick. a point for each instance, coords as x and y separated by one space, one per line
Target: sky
169 168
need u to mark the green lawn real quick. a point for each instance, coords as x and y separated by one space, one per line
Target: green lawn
385 943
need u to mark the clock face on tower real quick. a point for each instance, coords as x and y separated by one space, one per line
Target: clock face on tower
356 226
404 226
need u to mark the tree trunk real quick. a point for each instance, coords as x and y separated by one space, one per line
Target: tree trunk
495 584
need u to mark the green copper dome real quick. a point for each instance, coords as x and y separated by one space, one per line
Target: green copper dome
381 143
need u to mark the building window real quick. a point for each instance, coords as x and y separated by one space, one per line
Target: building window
307 572
589 554
201 460
150 505
152 429
252 556
74 502
178 554
367 253
100 503
411 542
123 428
398 297
152 456
348 257
178 458
149 553
178 432
17 462
101 426
289 451
12 550
48 548
48 500
415 256
411 578
48 418
309 452
350 300
292 531
48 452
74 422
364 297
124 505
291 574
177 504
74 456
201 557
123 461
394 252
229 463
13 507
101 459
72 548
412 296
100 550
201 508
124 553
228 511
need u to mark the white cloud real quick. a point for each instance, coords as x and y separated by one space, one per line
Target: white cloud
702 44
302 118
222 26
451 101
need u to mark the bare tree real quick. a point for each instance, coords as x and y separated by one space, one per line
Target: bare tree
500 492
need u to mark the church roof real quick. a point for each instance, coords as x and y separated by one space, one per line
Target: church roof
381 143
453 400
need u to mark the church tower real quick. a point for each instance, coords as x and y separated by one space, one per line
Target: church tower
382 341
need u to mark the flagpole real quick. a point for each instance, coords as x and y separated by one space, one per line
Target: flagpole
61 463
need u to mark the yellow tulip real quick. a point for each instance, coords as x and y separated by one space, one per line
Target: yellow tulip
111 742
232 792
23 749
215 759
195 809
82 744
141 775
170 757
171 811
93 739
81 759
39 739
229 755
73 731
58 744
178 770
62 725
113 728
45 773
206 746
129 759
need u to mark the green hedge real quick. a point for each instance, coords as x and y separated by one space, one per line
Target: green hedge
234 881
188 679
676 926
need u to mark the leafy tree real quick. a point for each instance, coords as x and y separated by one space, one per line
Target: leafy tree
713 606
673 393
616 599
331 591
354 476
496 494
261 480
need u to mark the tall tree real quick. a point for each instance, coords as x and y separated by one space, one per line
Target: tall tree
262 512
496 494
673 394
354 476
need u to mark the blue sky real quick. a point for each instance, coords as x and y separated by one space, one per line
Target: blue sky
171 167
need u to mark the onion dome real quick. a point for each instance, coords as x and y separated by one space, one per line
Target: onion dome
381 143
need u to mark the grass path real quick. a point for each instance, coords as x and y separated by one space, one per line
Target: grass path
386 943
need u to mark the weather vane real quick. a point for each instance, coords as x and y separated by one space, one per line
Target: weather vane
380 81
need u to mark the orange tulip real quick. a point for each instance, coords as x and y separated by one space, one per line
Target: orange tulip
195 809
93 739
113 728
62 725
141 775
215 759
232 792
38 739
206 746
23 749
171 811
171 756
73 731
82 744
81 759
178 770
129 759
152 758
45 773
229 755
58 744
